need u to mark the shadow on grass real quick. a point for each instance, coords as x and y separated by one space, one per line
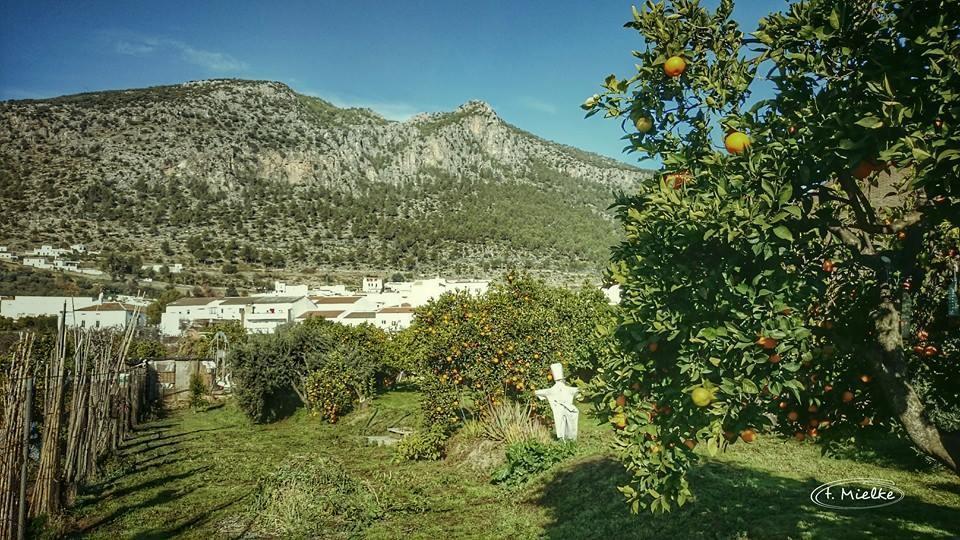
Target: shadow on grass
102 492
183 526
730 502
165 496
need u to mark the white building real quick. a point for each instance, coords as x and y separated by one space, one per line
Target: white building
257 314
49 251
108 315
263 314
372 285
71 266
175 268
37 262
185 312
281 288
394 318
7 255
330 290
79 248
15 307
356 318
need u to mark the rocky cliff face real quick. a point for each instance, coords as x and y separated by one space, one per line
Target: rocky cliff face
258 164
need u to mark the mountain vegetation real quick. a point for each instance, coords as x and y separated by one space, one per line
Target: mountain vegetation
250 172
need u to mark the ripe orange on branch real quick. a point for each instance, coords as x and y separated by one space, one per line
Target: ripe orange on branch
736 142
674 66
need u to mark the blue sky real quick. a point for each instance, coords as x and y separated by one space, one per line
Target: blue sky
533 61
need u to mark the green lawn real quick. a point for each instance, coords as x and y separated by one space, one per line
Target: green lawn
194 475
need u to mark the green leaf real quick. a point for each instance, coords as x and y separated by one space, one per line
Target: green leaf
870 122
783 232
835 20
785 194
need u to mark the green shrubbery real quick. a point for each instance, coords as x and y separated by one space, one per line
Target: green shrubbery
530 457
327 366
427 444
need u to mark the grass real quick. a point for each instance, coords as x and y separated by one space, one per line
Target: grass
195 475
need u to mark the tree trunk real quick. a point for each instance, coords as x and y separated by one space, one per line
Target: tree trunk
890 370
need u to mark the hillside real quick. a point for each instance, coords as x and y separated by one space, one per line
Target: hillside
252 172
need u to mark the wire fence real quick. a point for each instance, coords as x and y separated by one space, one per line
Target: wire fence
62 414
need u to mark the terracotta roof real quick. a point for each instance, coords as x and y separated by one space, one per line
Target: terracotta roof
334 299
317 313
192 301
110 306
397 309
361 315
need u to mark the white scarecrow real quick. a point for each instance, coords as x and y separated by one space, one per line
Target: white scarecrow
560 396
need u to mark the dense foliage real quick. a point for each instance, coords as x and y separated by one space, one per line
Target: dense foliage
779 279
498 346
325 365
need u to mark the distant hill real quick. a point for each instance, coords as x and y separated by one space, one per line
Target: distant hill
254 173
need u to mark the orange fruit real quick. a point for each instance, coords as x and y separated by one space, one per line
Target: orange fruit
930 351
748 435
827 265
767 342
774 358
736 142
653 347
799 436
793 416
847 396
690 443
865 378
674 66
644 124
701 396
621 400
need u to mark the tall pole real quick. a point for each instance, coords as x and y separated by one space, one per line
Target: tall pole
22 507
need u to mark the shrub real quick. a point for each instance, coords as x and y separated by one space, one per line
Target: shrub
327 366
198 389
423 445
528 458
513 423
313 498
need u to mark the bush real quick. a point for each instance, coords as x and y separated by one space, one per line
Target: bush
327 366
198 389
513 423
313 498
423 445
528 458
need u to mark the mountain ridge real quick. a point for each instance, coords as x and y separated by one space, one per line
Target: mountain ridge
236 146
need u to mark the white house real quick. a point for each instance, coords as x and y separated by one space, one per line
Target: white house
108 315
184 312
71 266
394 318
79 248
15 307
257 314
281 288
175 268
263 314
49 251
7 255
372 284
356 318
37 262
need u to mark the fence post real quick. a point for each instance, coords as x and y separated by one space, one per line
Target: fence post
22 507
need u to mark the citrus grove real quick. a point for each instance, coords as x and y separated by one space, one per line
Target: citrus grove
790 269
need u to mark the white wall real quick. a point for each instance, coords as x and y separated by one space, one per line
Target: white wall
34 306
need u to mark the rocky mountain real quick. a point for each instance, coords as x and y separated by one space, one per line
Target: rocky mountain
254 173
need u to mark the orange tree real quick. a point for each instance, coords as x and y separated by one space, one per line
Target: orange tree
480 349
789 267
